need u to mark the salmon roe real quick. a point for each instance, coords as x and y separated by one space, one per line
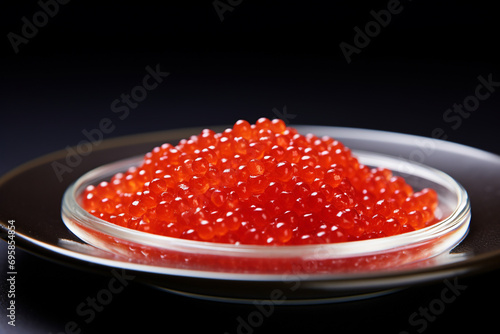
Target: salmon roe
263 184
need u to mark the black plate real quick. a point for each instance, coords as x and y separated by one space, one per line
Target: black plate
31 195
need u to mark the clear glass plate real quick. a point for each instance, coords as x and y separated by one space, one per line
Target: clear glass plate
217 260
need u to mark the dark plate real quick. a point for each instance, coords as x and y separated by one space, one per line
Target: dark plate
31 195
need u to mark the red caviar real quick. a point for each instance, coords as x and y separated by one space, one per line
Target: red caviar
261 183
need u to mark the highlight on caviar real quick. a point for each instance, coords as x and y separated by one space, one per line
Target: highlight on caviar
260 184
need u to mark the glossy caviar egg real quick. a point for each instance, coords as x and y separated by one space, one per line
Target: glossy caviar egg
261 183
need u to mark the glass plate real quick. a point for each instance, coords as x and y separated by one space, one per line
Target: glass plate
32 195
218 260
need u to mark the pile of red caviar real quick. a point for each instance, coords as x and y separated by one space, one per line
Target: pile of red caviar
263 184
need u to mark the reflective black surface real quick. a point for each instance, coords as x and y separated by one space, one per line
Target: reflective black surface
31 195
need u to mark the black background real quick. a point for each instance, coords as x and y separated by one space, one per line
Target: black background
261 57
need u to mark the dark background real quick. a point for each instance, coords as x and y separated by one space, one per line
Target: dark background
262 56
